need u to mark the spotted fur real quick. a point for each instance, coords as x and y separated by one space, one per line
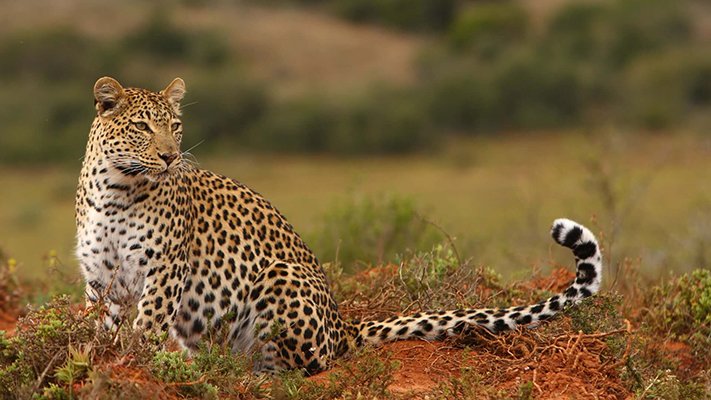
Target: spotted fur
189 251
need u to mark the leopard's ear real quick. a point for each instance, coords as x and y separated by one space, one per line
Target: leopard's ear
108 96
174 93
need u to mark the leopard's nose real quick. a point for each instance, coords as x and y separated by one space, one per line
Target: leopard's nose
168 157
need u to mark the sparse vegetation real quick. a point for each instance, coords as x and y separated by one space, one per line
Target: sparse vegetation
681 310
58 351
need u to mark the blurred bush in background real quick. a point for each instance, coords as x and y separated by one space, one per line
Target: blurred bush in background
373 229
486 68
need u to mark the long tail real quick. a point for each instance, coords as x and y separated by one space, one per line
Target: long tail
440 324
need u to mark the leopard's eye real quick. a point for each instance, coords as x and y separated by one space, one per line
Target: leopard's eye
175 126
141 126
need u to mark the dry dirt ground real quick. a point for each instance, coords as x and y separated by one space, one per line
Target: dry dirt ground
567 366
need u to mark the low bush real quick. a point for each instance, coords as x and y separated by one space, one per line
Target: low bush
159 40
52 54
222 109
681 309
380 122
386 122
661 91
373 230
418 16
303 125
521 91
465 101
489 28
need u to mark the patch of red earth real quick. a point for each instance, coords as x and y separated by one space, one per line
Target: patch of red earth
422 365
558 280
688 365
369 275
8 322
9 319
569 368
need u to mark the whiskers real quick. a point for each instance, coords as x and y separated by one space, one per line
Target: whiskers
183 106
189 160
120 166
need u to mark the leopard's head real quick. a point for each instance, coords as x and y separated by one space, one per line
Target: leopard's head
139 131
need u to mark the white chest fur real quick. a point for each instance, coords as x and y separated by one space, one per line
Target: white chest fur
110 244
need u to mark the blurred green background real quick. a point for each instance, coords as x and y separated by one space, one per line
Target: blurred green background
375 125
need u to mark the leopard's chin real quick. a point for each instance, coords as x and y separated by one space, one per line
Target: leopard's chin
162 176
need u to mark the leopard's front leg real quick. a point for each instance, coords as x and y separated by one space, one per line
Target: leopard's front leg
162 291
97 295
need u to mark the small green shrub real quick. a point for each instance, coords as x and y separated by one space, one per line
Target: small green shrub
640 27
539 93
421 15
159 39
665 385
469 384
77 366
425 270
661 91
173 367
374 230
597 314
55 392
51 54
10 291
682 309
230 373
387 122
489 28
41 343
304 125
435 279
365 374
382 121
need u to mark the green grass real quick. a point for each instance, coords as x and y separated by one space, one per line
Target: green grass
645 195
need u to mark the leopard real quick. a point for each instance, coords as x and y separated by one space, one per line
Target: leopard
183 252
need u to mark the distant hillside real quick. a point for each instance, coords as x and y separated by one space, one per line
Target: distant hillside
296 49
355 77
